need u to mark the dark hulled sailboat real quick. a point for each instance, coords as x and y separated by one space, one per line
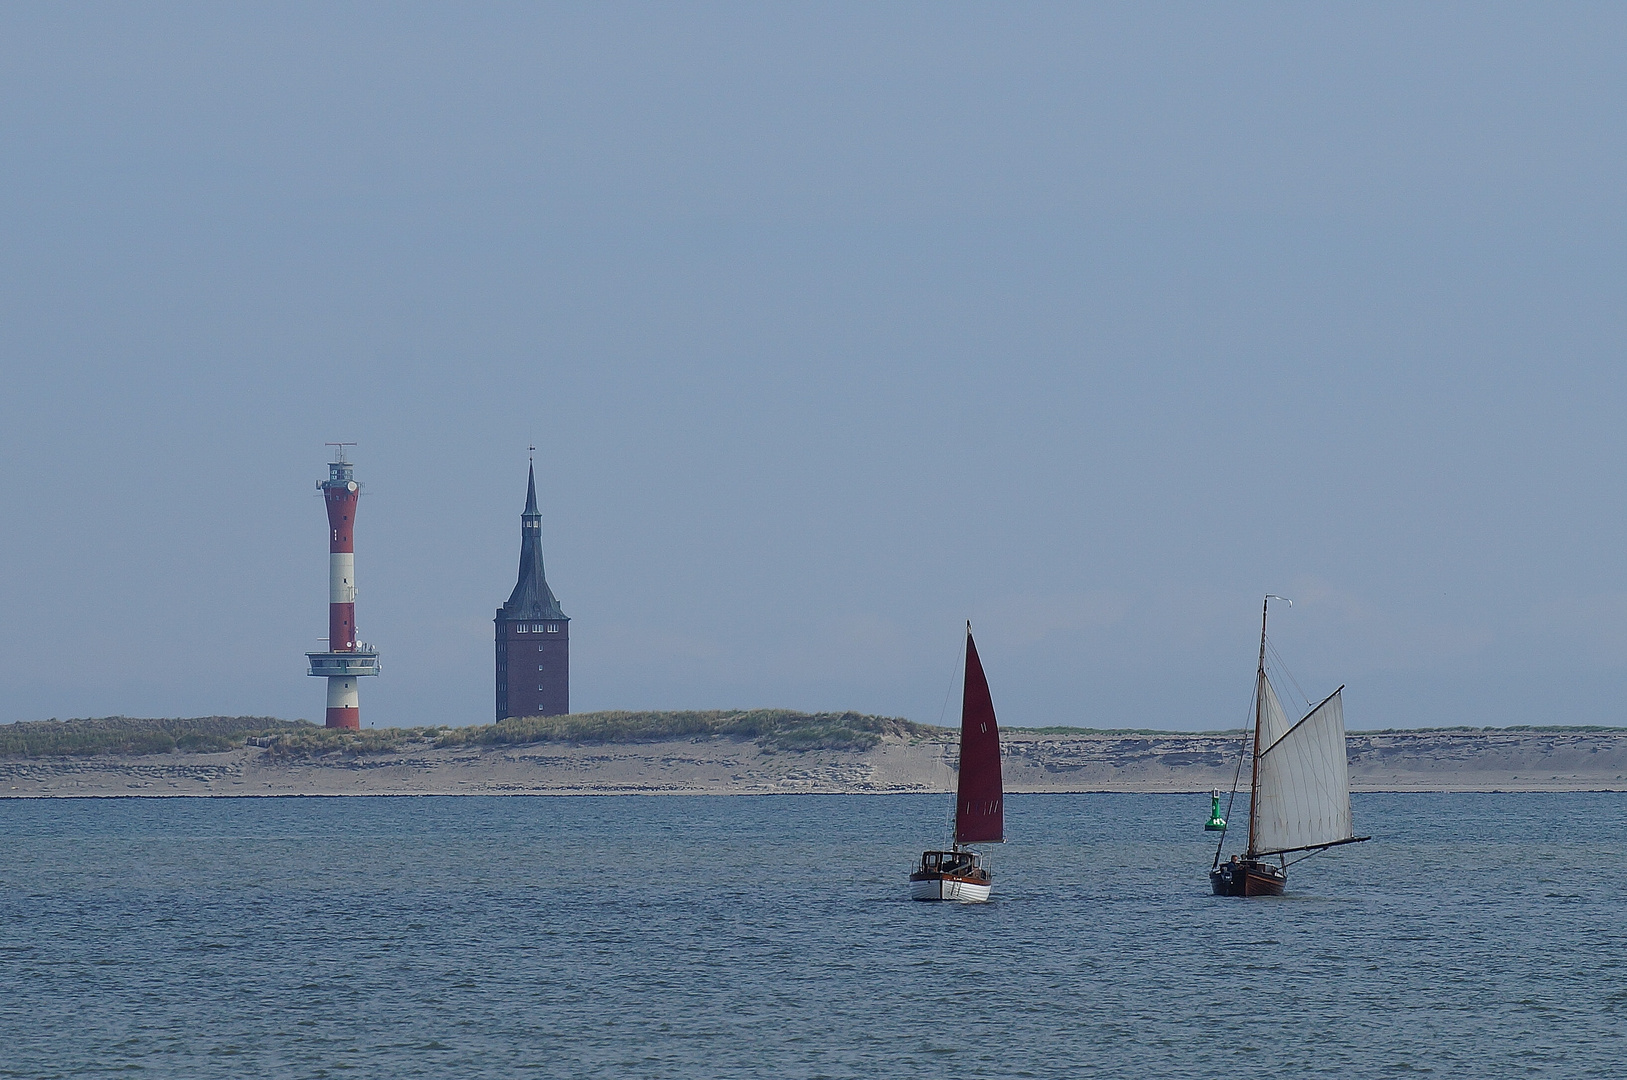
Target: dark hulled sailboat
959 873
1299 790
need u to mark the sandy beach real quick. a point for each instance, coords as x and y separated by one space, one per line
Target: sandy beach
1034 762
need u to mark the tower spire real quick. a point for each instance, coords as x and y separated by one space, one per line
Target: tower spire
533 633
531 598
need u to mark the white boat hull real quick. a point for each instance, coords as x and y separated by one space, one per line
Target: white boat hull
944 888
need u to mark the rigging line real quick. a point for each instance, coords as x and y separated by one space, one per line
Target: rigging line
959 663
1314 852
949 774
1236 778
1300 690
1280 665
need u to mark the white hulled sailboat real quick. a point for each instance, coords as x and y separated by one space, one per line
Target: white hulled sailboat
959 873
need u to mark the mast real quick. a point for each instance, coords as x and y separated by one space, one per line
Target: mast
1259 704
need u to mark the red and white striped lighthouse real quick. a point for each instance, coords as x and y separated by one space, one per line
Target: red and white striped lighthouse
346 658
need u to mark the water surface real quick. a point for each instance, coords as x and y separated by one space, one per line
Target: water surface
750 936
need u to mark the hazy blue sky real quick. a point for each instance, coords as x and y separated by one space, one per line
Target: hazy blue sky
834 325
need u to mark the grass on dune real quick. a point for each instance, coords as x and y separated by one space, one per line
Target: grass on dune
773 729
776 729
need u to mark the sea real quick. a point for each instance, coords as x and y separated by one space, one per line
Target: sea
1476 935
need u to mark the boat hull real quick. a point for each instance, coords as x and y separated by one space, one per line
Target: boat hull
929 886
1248 877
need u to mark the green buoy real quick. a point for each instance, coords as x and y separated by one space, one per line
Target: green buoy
1216 823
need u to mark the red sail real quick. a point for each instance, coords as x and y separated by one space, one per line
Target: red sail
979 803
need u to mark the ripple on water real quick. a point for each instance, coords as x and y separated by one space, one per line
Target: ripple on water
487 937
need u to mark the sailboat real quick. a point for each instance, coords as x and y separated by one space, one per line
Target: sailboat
1299 793
960 873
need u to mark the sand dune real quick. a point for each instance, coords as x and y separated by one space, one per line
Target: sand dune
1553 760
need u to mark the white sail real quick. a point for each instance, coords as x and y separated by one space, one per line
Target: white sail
1274 723
1303 795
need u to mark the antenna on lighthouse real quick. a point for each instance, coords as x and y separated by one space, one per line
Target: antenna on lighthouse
339 451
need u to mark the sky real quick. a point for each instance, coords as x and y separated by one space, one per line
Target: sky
834 326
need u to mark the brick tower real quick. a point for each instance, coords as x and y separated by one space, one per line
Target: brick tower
533 634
